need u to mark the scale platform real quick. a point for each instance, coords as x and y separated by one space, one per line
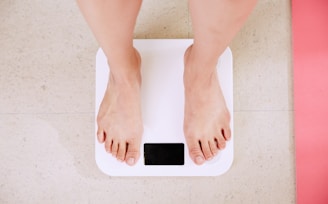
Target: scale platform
163 149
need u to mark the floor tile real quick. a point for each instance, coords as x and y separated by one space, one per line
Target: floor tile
169 19
262 59
263 168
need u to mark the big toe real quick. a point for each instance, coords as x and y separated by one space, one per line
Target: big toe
196 153
227 133
132 154
100 135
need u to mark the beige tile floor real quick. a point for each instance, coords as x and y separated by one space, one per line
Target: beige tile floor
47 84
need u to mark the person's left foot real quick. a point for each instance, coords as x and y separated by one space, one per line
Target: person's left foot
207 119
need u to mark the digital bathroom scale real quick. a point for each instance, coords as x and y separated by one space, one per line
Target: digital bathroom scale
163 150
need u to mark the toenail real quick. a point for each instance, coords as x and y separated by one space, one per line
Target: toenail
199 160
210 158
130 161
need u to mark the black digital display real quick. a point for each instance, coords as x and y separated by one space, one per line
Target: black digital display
164 153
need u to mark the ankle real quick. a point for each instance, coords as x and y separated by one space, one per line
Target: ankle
128 79
193 81
198 73
125 69
201 56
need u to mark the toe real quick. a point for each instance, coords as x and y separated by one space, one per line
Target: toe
221 143
100 135
132 152
114 148
108 145
213 147
121 151
206 149
226 132
195 152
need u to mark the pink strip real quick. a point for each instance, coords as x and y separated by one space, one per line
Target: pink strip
310 46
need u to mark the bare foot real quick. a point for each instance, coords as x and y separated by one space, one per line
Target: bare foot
206 122
119 119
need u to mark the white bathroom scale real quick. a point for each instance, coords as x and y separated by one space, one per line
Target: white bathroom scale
163 150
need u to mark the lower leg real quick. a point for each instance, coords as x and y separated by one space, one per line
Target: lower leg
112 22
206 125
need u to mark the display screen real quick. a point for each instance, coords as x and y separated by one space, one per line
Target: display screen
164 153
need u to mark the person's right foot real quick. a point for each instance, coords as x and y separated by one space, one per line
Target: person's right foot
119 119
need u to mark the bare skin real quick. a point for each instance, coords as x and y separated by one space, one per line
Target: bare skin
207 119
206 123
119 119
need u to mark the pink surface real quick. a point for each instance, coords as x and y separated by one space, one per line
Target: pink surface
310 46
